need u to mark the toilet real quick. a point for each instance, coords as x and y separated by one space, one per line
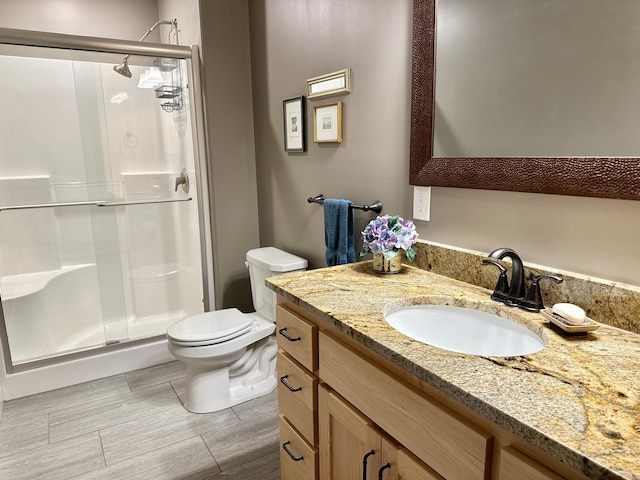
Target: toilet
230 355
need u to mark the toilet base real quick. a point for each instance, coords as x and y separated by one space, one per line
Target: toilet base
251 376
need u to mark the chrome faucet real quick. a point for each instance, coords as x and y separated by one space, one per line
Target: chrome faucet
515 294
517 274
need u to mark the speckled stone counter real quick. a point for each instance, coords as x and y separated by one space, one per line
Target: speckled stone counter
578 399
616 304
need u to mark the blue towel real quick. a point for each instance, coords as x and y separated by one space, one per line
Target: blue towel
338 232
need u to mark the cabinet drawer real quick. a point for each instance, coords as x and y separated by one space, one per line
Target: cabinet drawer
410 468
515 465
298 459
439 437
297 397
297 337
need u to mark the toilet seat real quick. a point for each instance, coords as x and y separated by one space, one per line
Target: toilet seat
210 328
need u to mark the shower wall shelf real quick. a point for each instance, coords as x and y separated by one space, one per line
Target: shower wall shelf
165 64
168 91
97 203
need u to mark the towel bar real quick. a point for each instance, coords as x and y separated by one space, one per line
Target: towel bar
374 207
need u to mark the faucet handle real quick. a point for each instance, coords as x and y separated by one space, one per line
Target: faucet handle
501 290
183 180
533 301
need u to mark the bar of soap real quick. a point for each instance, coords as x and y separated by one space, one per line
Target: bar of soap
570 312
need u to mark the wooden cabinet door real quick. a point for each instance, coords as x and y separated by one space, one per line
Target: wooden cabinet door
443 439
350 445
515 465
410 468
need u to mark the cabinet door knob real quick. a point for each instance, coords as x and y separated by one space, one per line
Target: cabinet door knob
381 471
293 457
364 463
288 337
284 382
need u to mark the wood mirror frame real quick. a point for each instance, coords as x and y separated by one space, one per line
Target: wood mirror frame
606 177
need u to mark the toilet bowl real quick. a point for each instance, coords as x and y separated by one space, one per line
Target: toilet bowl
230 355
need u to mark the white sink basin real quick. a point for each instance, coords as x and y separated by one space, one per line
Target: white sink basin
464 330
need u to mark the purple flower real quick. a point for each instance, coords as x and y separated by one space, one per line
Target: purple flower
388 234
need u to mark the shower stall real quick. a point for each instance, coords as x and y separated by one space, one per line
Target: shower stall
103 210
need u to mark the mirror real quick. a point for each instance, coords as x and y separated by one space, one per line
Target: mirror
583 173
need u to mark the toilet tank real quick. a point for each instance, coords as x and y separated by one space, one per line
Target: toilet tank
268 262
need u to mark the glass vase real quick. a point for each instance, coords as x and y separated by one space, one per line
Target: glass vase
382 265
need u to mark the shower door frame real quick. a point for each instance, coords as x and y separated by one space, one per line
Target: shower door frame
191 55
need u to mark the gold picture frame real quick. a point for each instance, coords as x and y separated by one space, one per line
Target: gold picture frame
327 123
330 84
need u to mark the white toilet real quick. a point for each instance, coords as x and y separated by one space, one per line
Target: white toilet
230 355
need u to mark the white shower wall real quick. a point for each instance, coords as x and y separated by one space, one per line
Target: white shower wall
29 239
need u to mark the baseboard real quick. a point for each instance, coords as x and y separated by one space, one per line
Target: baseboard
81 370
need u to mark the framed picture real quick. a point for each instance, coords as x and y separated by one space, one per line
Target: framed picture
293 116
327 123
329 84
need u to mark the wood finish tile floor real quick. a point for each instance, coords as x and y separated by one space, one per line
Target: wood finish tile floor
133 426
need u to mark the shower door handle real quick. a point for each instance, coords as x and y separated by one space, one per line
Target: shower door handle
183 180
96 203
142 202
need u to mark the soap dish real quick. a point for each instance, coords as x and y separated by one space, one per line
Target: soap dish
587 326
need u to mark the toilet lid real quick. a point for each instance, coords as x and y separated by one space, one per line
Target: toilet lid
210 327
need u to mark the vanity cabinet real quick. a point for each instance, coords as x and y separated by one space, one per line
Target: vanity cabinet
449 444
297 395
298 459
410 468
515 465
339 401
351 446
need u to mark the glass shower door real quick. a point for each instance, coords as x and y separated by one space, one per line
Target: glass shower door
150 143
96 245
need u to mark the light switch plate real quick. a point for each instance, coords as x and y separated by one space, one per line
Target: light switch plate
422 203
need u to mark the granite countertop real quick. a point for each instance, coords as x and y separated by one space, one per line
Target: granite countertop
578 399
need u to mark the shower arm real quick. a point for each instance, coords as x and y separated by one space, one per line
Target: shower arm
173 23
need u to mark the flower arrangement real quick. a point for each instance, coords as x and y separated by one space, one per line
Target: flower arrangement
387 235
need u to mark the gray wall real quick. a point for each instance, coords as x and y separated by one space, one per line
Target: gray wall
122 19
292 41
295 40
228 101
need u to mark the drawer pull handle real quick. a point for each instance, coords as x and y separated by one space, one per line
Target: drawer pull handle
364 463
284 382
288 337
293 457
381 471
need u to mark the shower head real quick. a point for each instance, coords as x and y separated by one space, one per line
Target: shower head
123 68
